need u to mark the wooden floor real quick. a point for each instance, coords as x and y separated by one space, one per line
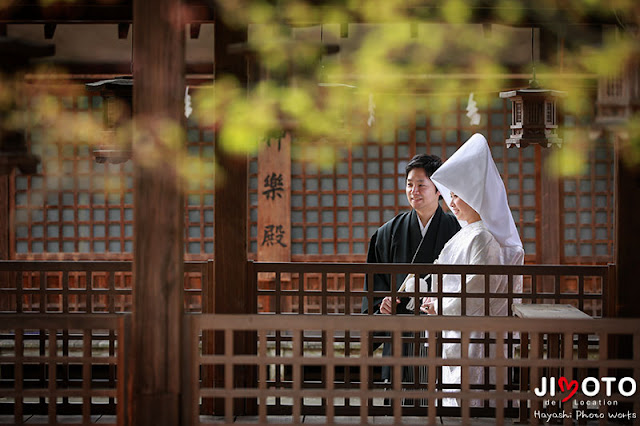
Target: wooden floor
252 420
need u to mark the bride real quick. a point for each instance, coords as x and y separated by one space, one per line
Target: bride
470 183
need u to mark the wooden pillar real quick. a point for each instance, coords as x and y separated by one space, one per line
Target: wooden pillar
232 292
549 249
231 194
158 72
550 233
627 229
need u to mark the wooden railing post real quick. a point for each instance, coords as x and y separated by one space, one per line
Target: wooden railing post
124 346
190 406
251 339
609 295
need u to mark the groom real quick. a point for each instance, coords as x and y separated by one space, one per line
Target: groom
415 236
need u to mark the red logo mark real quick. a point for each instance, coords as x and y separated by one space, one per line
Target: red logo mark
565 386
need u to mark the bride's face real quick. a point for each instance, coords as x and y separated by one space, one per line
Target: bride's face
462 210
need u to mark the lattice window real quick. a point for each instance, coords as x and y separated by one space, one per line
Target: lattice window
253 207
334 212
550 113
73 205
587 206
199 197
77 208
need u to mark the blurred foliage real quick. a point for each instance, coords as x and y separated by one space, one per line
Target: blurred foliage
435 50
389 51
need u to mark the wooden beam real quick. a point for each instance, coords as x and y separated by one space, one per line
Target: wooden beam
33 12
159 50
89 70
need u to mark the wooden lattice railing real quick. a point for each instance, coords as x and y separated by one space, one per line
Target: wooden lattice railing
54 365
360 395
83 286
342 385
327 288
105 287
337 288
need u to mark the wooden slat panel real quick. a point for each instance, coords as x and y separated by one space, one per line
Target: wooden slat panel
30 333
300 389
313 298
77 286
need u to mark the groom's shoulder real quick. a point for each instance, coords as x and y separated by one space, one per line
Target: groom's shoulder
391 225
449 220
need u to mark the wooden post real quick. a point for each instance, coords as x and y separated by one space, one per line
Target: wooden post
231 193
5 234
158 72
548 251
232 293
627 229
550 236
549 185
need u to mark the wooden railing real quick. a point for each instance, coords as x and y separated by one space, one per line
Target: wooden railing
327 288
337 288
322 382
83 286
51 364
105 287
364 396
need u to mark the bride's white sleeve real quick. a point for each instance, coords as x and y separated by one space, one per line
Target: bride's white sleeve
483 250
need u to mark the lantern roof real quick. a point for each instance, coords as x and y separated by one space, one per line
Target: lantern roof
532 91
116 84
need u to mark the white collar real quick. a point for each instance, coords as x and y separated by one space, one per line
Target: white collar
423 229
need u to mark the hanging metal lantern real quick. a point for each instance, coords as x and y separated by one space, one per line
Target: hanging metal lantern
14 153
117 97
533 116
619 96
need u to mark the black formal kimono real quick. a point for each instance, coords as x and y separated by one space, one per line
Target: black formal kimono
396 242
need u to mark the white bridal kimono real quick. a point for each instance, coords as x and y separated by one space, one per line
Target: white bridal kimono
472 175
472 245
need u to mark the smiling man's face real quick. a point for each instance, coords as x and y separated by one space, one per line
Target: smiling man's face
422 194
